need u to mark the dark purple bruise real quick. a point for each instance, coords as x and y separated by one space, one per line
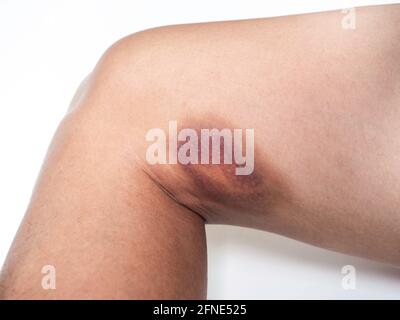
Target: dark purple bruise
218 182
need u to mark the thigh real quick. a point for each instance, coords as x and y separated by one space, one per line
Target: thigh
322 103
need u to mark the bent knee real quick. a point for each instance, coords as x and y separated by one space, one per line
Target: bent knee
150 79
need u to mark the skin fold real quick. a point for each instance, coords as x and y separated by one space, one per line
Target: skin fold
324 105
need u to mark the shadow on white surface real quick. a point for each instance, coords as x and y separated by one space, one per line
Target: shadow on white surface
251 264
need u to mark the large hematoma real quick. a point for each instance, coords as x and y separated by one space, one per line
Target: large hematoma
219 165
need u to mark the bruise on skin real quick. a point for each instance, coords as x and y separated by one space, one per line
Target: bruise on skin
216 185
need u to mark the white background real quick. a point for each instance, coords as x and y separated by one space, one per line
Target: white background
48 47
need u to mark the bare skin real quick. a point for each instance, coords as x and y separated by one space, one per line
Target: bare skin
323 102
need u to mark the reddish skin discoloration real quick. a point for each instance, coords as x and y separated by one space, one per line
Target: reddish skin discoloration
208 188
